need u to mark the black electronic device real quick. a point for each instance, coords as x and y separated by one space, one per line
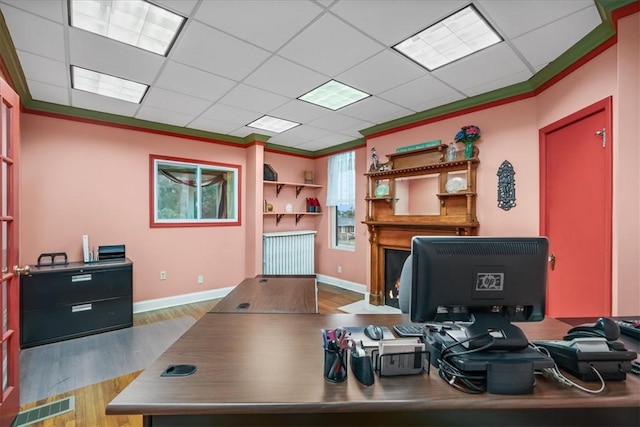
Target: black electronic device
496 280
409 330
374 332
111 252
604 327
630 328
583 356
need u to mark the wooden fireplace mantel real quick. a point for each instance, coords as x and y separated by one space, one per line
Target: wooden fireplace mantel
388 230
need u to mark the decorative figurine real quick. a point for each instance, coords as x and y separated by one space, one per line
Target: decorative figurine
374 161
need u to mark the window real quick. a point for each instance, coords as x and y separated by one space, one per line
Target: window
194 193
341 199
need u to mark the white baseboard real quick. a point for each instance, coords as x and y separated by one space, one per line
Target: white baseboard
156 304
344 284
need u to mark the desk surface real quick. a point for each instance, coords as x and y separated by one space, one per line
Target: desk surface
272 364
272 294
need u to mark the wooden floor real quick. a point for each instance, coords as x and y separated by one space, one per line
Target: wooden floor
91 401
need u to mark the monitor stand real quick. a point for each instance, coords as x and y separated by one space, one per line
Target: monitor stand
495 332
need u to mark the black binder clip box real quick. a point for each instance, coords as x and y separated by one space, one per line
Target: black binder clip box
111 252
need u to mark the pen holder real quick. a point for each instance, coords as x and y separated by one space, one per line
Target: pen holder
335 365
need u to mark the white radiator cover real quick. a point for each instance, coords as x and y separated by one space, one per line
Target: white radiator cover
288 252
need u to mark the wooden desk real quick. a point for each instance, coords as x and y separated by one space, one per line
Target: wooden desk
272 294
266 369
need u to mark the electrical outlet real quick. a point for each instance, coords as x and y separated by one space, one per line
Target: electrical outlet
163 275
200 279
339 269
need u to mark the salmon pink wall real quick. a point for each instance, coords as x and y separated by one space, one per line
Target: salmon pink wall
79 178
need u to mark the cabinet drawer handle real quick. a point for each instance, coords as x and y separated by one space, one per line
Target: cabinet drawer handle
81 278
81 307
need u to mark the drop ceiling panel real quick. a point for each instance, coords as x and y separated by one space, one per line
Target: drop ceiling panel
51 10
300 111
210 50
338 122
34 34
209 125
392 21
228 114
322 46
516 17
105 104
375 110
500 59
48 93
381 72
107 56
43 70
268 24
159 115
416 93
181 78
173 101
283 77
260 100
545 44
182 7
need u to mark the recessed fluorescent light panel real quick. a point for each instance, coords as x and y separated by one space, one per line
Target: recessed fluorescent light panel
273 124
134 22
455 37
106 85
334 95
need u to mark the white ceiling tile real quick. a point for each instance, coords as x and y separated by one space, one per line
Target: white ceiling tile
393 21
34 34
181 78
326 141
173 101
416 93
545 44
315 145
516 17
228 114
250 98
391 70
304 133
375 110
209 125
215 52
97 53
281 76
338 122
244 131
44 70
163 116
500 59
105 104
322 46
52 10
437 102
181 7
48 93
268 24
300 111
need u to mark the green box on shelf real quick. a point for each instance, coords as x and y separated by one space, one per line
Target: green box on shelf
427 144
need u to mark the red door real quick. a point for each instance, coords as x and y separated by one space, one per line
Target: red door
9 294
576 175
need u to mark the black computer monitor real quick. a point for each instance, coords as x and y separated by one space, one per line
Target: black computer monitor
491 280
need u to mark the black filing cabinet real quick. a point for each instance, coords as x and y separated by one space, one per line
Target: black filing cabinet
68 301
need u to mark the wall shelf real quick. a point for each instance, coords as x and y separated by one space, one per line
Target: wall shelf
298 215
299 187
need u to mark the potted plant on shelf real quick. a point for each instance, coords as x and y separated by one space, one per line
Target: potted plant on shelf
468 135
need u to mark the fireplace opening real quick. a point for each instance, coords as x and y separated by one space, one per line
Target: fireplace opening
393 261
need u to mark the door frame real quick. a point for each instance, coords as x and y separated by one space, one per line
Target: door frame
605 105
